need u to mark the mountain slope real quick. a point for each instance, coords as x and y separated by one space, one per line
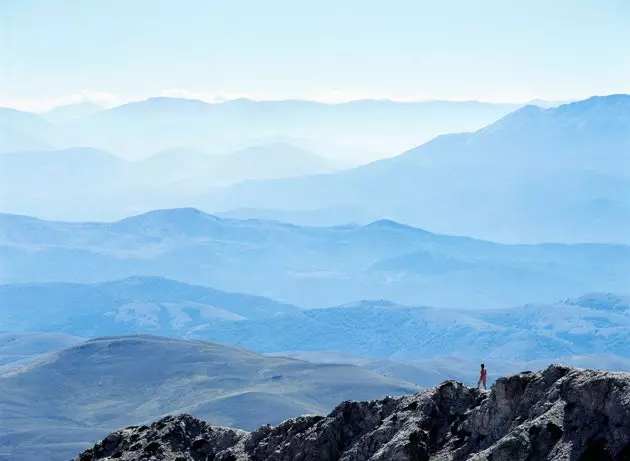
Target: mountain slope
308 266
558 174
65 401
559 413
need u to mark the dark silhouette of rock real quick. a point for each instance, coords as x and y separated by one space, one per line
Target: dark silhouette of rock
560 413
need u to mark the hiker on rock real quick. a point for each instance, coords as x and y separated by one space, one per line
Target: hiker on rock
482 377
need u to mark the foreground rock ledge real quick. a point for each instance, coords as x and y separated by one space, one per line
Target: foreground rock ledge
560 413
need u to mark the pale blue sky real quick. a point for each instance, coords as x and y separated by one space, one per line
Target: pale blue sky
499 50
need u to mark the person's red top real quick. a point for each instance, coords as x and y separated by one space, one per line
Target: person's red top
483 373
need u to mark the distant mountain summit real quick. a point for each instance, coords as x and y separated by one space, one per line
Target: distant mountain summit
557 175
592 135
185 221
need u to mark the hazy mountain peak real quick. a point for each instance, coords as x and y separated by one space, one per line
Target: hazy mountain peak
393 225
175 215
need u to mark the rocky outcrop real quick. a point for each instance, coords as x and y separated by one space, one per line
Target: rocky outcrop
560 413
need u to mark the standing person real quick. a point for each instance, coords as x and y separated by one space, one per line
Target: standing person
482 377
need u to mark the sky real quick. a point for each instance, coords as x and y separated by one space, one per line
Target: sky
55 52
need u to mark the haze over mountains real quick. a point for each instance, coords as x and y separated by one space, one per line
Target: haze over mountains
244 212
351 132
88 182
536 175
390 268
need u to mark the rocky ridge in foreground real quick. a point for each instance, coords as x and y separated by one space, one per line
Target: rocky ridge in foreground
560 413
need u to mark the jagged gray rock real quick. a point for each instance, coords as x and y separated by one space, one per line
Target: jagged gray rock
558 414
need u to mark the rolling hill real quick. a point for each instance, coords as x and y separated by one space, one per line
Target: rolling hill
69 399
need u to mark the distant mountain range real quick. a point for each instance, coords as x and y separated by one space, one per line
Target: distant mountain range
354 131
559 174
308 266
65 401
536 175
590 324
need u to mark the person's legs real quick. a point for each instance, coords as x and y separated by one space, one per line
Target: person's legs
484 384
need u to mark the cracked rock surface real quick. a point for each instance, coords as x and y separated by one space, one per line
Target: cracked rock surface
560 413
